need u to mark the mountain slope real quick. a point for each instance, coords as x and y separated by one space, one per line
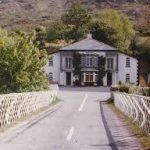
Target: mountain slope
30 13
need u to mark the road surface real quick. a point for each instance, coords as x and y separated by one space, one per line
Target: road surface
78 122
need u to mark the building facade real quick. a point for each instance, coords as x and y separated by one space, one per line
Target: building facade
119 67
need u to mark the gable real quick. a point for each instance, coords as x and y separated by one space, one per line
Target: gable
88 44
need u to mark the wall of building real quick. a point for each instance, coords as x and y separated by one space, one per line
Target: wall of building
59 74
123 70
55 69
64 56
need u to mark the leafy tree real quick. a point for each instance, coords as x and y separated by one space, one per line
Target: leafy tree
78 18
114 28
21 63
141 47
101 70
40 37
77 67
55 31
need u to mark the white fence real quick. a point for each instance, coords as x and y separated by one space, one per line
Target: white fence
136 107
16 105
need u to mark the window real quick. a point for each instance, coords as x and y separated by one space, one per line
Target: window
50 76
68 63
51 61
89 77
128 78
89 61
127 62
110 63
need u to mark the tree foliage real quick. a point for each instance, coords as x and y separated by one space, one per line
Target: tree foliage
21 63
77 63
77 68
101 70
55 31
113 28
77 19
141 48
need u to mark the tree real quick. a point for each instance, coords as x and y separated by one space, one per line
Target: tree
101 70
77 18
40 37
113 28
55 31
21 63
77 67
141 47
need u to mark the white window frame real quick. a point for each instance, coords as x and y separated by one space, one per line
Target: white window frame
51 61
50 76
68 63
89 74
110 63
128 62
127 78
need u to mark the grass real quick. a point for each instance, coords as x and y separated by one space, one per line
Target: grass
29 116
138 132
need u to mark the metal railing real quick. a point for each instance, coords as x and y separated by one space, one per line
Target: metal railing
17 105
136 107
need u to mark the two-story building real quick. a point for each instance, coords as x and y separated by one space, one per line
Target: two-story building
119 67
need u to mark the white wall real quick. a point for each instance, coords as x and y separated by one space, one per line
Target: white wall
64 56
120 76
55 69
123 70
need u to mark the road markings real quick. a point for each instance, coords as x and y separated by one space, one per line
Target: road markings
83 103
70 134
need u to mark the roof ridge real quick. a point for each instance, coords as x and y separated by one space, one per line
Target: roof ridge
88 44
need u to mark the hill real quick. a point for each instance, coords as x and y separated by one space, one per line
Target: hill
30 13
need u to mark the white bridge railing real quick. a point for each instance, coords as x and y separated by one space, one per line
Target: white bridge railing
17 105
136 107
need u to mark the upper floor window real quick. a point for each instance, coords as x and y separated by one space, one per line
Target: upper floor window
110 63
89 61
68 63
127 62
51 61
128 78
50 76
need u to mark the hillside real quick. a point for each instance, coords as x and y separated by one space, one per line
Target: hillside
30 13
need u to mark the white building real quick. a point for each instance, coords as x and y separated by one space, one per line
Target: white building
119 67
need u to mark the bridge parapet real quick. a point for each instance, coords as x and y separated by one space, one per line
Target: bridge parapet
17 105
136 107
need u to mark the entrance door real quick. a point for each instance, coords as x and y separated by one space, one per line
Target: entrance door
109 79
68 78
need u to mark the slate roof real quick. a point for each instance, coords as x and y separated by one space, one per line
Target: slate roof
88 44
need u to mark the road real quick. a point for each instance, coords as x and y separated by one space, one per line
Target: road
76 123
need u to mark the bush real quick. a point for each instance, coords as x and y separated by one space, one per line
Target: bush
114 89
124 88
145 91
121 88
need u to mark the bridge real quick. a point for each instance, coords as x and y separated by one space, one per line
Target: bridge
80 121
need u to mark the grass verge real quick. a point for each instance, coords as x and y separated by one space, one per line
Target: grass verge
29 116
136 130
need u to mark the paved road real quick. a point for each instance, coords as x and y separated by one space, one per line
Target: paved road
77 123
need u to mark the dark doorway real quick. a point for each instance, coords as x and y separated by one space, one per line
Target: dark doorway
109 79
68 78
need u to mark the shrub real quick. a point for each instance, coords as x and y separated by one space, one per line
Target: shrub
124 88
114 89
145 91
